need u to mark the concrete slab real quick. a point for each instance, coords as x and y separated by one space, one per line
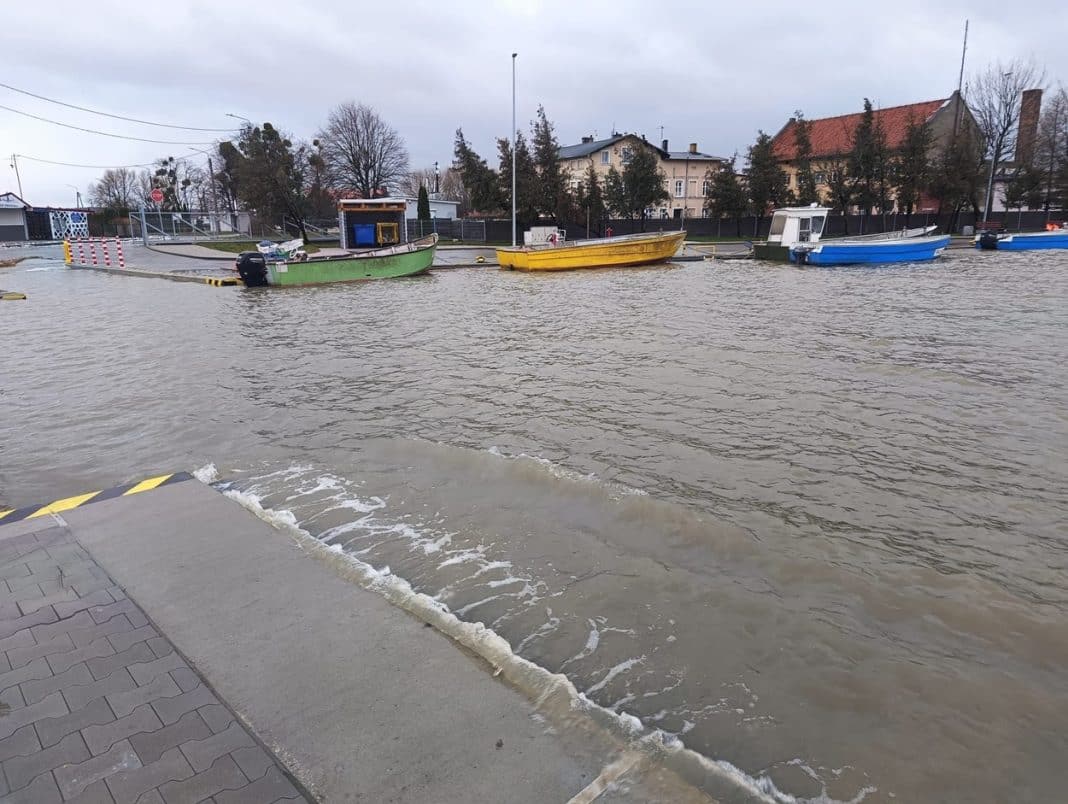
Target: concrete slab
354 695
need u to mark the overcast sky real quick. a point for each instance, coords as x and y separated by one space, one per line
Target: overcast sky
707 72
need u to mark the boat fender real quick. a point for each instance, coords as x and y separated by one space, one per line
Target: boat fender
480 259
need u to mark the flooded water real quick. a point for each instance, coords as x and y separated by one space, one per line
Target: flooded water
813 521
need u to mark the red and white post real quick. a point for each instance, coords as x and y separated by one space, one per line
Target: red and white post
106 252
92 251
118 250
81 251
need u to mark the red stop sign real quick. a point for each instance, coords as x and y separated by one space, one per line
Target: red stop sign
156 195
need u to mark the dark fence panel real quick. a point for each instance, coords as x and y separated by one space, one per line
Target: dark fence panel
752 228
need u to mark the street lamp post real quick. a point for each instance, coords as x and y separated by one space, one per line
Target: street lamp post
513 148
77 196
239 117
685 192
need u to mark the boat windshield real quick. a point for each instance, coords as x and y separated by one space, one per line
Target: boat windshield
817 224
778 224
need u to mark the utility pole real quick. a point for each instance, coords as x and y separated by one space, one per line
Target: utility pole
18 178
960 82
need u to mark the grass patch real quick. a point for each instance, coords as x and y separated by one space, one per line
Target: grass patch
237 246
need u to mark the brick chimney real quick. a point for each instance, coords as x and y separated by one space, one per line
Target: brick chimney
1030 109
693 147
587 139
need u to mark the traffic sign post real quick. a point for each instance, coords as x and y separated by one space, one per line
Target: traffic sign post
156 195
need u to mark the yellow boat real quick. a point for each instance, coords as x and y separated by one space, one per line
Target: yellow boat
608 252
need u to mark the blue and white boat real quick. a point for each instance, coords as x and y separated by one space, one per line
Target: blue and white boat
1023 241
881 249
797 235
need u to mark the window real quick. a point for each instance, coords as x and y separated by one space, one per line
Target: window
706 188
778 223
663 212
626 155
605 156
820 178
678 188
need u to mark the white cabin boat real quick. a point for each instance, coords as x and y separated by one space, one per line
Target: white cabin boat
791 226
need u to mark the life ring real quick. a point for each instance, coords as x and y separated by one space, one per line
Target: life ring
552 239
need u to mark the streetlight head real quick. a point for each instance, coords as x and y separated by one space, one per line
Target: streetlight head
514 55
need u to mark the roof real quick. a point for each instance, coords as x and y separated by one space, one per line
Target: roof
12 201
588 148
698 155
833 136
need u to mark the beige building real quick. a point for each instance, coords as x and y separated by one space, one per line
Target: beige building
685 172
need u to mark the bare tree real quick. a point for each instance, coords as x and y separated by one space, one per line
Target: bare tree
994 99
452 188
362 152
116 189
1051 152
411 181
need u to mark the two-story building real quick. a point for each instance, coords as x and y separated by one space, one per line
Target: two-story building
832 137
685 172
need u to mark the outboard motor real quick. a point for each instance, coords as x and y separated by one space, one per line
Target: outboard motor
988 241
252 267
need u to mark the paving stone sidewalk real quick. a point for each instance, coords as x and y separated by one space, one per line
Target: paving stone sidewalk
96 705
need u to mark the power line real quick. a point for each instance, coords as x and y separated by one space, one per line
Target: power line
107 114
101 133
102 167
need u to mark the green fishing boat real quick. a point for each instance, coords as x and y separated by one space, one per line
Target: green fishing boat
405 259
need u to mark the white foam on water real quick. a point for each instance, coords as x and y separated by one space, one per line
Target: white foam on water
207 473
532 679
563 473
622 667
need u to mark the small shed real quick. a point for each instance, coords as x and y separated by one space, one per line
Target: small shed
13 218
371 222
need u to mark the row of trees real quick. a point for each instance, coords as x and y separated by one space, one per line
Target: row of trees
954 172
543 190
266 171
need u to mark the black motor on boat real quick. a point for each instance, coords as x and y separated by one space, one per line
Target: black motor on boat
252 267
988 241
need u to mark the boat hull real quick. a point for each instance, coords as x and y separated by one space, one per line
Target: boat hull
872 252
771 252
403 262
612 252
1027 241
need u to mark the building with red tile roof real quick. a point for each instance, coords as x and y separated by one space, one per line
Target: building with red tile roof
832 137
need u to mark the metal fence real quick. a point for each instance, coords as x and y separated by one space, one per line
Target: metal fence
192 225
448 229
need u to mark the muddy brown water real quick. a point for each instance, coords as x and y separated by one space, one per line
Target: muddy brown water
813 521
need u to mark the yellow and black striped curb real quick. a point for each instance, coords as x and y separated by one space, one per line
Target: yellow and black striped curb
15 514
222 281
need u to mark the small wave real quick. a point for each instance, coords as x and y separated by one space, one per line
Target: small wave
207 474
563 473
542 686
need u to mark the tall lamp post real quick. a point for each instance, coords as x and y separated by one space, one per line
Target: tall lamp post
685 192
77 196
513 147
